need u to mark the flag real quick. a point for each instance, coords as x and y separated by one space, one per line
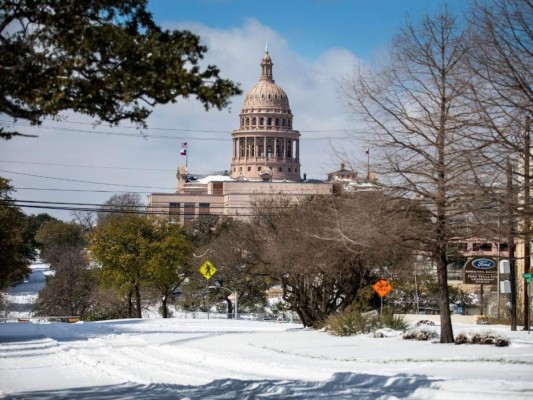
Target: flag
183 152
184 145
367 151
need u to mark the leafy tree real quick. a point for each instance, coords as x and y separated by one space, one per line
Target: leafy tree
71 290
168 263
55 237
119 244
136 251
105 58
14 252
31 227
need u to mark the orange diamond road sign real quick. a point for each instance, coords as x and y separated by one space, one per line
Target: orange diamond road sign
382 287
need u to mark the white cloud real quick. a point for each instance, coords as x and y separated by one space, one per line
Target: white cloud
310 84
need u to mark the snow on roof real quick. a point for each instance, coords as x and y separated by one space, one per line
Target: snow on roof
215 178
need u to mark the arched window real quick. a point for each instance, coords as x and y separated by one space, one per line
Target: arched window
261 121
269 121
247 121
254 121
277 122
283 122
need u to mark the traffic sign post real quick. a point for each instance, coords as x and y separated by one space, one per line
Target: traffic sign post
207 270
528 276
382 288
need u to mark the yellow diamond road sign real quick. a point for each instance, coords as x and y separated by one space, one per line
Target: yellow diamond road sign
207 270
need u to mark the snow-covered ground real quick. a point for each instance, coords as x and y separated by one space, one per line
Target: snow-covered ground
227 359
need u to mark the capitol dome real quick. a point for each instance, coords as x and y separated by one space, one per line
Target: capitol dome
265 146
266 93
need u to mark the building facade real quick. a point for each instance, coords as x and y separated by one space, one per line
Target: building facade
265 163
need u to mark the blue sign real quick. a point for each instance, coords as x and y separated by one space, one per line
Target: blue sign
483 263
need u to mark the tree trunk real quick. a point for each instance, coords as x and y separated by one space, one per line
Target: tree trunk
164 305
130 304
138 300
230 308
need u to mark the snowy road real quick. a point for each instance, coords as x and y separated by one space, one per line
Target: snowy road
21 297
228 359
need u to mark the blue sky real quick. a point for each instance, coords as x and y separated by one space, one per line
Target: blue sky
315 45
310 26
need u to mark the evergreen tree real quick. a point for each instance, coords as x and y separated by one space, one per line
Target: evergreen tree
104 58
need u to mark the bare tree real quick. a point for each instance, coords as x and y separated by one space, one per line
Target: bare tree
414 109
120 204
501 62
322 264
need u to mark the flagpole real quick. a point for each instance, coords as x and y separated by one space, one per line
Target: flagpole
368 165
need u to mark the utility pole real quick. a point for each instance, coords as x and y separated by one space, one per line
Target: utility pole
510 241
527 216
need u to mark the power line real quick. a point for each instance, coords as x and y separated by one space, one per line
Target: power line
81 190
195 138
81 181
86 166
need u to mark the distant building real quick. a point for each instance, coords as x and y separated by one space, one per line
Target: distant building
265 163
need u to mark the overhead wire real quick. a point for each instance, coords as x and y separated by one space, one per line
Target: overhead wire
142 134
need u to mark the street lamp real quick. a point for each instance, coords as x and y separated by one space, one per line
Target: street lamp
234 292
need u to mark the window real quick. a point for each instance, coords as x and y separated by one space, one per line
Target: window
249 169
204 208
259 168
276 122
280 169
269 121
173 211
460 246
482 247
289 170
254 121
261 121
218 187
188 213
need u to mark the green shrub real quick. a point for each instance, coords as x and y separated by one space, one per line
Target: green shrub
353 322
396 322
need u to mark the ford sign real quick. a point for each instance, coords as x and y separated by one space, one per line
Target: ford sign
483 263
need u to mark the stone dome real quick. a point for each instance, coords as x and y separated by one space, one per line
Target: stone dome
265 147
266 93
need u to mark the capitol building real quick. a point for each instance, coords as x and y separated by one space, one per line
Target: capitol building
265 163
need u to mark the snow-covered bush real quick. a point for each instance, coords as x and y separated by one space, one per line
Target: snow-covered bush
482 338
420 334
425 322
